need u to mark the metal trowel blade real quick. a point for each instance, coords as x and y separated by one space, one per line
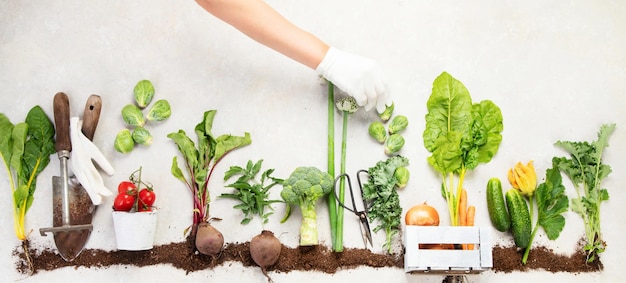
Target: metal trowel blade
71 239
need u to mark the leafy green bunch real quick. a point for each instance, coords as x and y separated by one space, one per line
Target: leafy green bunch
25 149
460 135
252 194
380 192
585 169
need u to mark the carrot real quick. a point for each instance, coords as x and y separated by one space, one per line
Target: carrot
462 208
471 214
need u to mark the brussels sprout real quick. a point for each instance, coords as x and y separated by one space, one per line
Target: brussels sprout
398 124
124 142
144 92
402 176
377 131
393 144
142 136
132 116
159 111
347 104
386 115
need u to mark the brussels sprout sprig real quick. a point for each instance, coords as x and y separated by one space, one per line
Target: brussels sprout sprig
133 117
390 138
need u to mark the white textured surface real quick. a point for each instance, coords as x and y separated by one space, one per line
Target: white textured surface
557 69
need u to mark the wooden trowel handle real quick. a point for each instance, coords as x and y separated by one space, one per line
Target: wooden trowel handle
61 107
91 115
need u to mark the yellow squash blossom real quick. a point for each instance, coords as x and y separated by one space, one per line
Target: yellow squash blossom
523 178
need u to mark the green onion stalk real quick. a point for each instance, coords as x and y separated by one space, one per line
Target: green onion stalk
332 201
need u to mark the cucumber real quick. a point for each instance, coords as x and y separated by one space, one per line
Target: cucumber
520 217
495 204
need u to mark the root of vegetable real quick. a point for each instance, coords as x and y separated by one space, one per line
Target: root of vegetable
265 249
209 241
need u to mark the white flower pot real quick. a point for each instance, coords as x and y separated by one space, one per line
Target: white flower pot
134 231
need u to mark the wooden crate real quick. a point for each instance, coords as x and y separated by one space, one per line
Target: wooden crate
447 261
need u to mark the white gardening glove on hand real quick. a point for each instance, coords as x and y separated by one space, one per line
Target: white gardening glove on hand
357 76
84 153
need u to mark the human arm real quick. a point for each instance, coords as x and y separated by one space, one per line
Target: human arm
359 77
259 21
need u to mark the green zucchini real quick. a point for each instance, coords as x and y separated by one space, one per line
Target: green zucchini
495 204
520 217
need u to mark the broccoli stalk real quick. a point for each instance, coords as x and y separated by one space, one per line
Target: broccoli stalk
304 187
347 105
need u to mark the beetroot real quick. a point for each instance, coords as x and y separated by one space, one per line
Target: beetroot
209 241
265 249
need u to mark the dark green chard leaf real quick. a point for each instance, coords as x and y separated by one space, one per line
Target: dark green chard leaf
25 149
6 143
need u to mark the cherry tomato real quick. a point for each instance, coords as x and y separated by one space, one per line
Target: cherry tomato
123 202
126 186
147 197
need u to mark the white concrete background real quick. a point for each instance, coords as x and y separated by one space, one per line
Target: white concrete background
557 69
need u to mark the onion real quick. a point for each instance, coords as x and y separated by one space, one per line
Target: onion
422 215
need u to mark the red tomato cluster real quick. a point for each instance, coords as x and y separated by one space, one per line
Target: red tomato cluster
127 196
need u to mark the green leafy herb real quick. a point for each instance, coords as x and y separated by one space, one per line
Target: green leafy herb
586 171
252 194
200 161
380 192
460 135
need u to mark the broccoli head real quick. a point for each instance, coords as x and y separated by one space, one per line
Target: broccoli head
304 187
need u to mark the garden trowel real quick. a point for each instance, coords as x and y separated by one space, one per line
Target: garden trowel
72 208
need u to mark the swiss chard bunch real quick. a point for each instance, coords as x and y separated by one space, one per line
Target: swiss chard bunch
586 170
25 149
252 194
200 161
380 192
460 135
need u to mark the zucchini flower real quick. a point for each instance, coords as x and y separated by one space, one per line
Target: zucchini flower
523 178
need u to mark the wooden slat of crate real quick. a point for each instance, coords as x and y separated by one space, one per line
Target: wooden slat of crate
429 260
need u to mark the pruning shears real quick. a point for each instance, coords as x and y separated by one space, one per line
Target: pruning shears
364 224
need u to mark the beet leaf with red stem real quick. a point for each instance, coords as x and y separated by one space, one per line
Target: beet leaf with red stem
199 161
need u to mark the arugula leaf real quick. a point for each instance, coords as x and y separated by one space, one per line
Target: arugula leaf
585 169
252 194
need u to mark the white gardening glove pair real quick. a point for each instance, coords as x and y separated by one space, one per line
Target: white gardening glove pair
357 76
84 153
